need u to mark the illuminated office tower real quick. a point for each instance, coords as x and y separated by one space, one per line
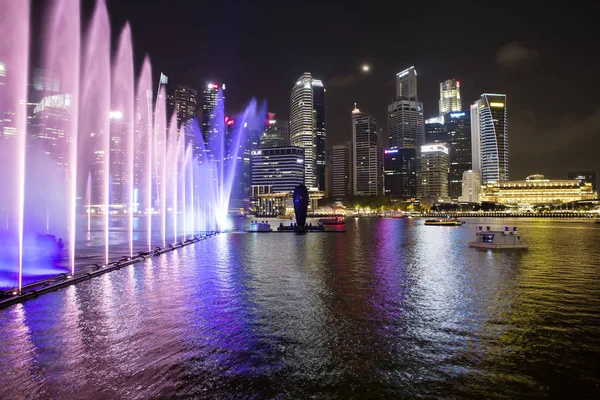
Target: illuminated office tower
183 101
435 130
320 132
489 137
471 186
450 96
406 84
458 131
210 102
276 132
307 127
367 156
342 177
433 176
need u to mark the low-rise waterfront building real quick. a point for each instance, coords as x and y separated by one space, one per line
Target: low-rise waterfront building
536 189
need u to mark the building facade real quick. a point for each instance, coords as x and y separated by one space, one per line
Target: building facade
491 137
341 166
367 156
307 127
450 97
281 168
320 131
213 98
435 130
400 172
458 129
433 176
471 187
276 132
536 190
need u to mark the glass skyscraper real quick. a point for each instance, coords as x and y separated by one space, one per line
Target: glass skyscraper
450 96
367 156
307 127
490 137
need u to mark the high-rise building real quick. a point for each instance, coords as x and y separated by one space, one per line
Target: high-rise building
281 168
342 178
321 133
450 96
210 103
458 130
406 84
400 172
307 127
183 101
367 156
435 130
117 168
584 177
276 133
471 186
491 136
433 176
405 124
49 128
475 136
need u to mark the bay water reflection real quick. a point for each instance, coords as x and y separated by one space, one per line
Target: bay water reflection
388 309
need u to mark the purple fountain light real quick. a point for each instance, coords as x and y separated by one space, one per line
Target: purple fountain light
99 142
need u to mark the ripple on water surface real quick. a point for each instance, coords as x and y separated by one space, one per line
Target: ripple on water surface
390 308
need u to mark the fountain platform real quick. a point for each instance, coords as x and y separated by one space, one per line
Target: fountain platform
35 289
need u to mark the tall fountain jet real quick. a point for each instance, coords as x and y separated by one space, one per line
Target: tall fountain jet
100 149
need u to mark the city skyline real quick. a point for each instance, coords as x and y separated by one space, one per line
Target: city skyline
518 65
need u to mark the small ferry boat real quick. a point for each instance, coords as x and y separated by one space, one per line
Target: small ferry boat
498 239
339 220
256 226
444 222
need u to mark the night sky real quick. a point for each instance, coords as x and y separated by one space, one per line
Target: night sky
545 59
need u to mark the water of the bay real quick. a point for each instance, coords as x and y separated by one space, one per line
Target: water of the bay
389 309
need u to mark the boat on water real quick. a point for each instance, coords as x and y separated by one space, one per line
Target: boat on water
498 239
257 226
339 220
444 222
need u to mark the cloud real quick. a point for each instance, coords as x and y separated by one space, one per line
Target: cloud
514 54
342 81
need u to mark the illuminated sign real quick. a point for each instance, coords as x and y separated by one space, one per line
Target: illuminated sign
435 120
433 148
256 153
271 121
499 105
405 72
457 114
390 151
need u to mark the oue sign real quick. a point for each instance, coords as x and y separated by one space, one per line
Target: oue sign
256 152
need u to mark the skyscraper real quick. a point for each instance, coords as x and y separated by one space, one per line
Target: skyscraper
342 177
471 186
458 130
276 133
406 84
400 172
475 136
307 127
490 137
405 114
450 96
435 130
321 133
210 101
367 156
433 175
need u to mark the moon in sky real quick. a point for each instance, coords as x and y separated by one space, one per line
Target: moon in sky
366 67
